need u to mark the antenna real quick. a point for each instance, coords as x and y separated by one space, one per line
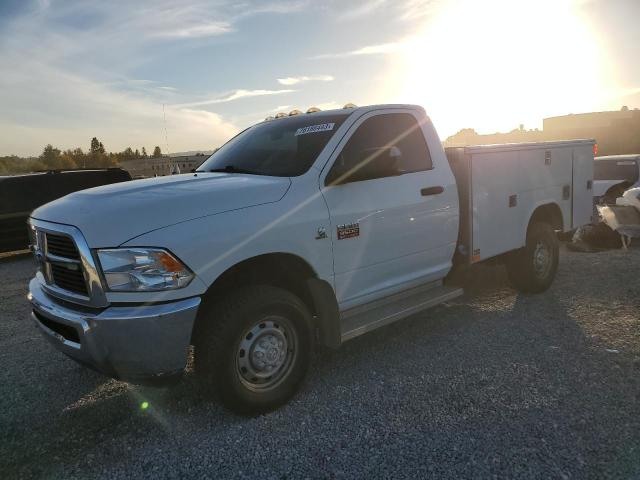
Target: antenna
166 136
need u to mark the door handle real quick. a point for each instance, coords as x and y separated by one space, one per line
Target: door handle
425 192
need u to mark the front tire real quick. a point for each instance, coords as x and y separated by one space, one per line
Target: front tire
255 347
533 268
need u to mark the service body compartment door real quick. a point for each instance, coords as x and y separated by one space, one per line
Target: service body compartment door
495 218
544 178
582 199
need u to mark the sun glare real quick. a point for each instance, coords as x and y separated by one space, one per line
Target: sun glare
494 64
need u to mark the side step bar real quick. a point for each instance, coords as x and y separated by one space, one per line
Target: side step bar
364 318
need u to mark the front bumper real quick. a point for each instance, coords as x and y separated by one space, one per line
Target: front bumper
138 343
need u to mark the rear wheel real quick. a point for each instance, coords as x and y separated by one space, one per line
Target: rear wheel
254 346
533 268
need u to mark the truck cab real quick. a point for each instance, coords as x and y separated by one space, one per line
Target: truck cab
302 230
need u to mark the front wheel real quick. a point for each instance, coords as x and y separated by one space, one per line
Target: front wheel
533 268
254 346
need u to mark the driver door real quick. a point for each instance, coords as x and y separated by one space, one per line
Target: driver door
383 226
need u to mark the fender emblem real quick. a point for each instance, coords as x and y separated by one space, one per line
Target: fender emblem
322 233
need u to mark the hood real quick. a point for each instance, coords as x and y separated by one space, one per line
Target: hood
112 214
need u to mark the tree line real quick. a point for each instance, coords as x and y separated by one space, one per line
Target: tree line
53 158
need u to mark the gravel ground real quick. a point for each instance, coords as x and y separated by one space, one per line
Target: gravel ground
495 384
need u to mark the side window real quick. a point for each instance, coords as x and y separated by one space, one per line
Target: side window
615 169
384 145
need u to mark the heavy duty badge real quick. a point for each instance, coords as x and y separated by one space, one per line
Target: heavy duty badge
348 230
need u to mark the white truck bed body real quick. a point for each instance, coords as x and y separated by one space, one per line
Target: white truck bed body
501 185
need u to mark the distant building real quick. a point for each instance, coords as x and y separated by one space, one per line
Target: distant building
616 132
593 121
157 167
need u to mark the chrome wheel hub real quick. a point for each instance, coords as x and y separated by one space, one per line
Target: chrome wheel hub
269 352
541 259
266 353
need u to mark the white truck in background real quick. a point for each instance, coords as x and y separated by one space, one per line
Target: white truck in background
310 228
613 175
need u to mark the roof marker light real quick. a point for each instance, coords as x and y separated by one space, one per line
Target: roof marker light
280 115
269 118
293 113
313 110
350 105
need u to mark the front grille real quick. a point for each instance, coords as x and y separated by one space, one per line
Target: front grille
69 279
62 246
67 270
69 333
66 275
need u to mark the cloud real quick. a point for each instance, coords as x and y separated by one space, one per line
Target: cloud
66 73
202 30
234 95
417 9
329 106
280 108
379 49
207 18
312 78
364 9
403 10
120 119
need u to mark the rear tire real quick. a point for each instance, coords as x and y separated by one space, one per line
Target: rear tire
533 268
255 346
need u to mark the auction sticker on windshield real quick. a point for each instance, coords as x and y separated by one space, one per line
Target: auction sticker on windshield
323 127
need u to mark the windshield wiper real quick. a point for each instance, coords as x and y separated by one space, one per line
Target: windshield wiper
232 169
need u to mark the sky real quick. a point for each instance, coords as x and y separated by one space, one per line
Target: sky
188 75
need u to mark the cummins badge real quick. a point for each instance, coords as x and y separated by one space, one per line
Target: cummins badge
348 230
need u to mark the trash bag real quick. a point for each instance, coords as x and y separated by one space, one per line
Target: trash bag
630 198
594 238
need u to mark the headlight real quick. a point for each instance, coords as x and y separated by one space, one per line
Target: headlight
142 269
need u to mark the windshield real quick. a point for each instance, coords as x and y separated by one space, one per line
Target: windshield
285 147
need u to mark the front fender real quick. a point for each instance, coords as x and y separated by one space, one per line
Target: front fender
211 245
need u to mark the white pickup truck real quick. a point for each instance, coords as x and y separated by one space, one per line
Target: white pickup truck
309 229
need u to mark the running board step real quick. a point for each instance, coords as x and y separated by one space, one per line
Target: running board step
364 318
